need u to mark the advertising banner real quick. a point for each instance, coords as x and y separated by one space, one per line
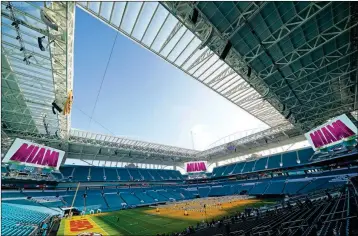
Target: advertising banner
23 152
336 131
195 166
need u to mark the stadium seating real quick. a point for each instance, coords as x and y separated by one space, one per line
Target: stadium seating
204 191
289 159
146 175
229 170
249 167
67 171
81 173
94 201
155 175
51 204
177 174
245 188
238 168
40 193
144 198
123 174
11 194
157 197
176 194
216 191
167 195
163 174
261 164
79 200
259 188
280 184
11 227
333 183
169 174
4 170
21 216
275 187
187 194
317 216
274 162
57 175
234 189
130 199
304 155
218 171
135 174
314 185
97 174
114 201
292 187
111 174
22 202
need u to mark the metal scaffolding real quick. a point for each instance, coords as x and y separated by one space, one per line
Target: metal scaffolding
33 78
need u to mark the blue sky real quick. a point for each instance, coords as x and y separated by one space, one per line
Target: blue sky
143 97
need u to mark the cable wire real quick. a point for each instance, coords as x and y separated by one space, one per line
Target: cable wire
104 75
95 121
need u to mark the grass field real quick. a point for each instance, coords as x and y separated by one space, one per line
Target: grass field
145 220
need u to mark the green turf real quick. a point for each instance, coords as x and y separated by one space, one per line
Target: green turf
61 229
138 222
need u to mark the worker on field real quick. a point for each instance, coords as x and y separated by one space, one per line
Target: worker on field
157 209
117 219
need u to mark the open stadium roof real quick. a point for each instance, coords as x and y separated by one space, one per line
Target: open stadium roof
292 65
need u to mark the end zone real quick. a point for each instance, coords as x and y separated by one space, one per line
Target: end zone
82 225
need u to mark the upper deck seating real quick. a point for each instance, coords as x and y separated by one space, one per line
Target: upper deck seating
249 167
123 174
111 174
97 173
135 174
229 170
289 159
66 171
261 164
81 173
146 175
239 168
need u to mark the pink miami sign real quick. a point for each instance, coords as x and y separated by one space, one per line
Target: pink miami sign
197 166
331 133
32 154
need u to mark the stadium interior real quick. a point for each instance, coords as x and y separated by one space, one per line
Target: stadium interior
292 65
